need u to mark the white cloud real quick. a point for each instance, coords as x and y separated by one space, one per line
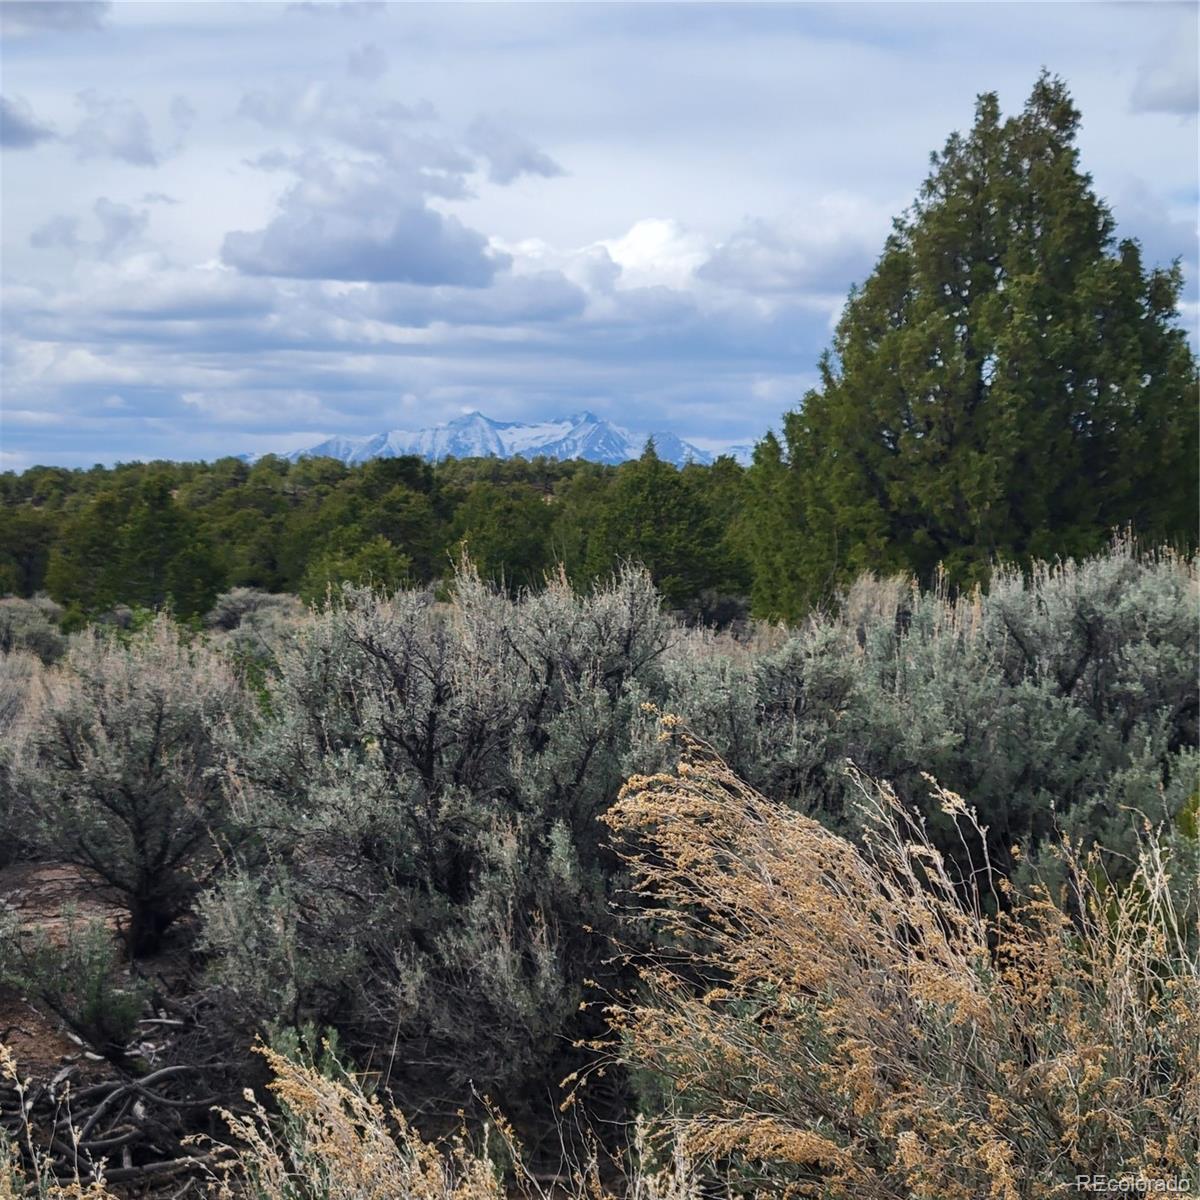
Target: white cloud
657 251
240 407
818 246
32 416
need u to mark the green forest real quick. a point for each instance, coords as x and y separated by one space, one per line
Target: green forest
827 827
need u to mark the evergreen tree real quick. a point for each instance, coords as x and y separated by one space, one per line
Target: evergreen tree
164 558
1009 382
85 570
506 532
721 488
132 543
406 518
771 532
25 537
656 516
351 557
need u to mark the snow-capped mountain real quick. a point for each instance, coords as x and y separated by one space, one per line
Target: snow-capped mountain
583 435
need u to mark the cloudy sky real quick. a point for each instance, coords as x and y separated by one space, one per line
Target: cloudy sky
245 227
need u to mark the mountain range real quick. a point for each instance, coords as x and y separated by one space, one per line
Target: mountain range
581 435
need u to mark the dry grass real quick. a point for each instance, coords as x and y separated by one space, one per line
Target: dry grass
330 1139
336 1142
843 1021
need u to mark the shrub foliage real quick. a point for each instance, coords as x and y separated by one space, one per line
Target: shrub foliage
381 817
121 764
424 796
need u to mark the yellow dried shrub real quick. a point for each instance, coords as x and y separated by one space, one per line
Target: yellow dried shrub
338 1143
329 1139
846 1020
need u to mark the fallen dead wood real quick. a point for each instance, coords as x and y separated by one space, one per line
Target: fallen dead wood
123 1119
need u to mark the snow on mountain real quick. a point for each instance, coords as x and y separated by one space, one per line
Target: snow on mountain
582 435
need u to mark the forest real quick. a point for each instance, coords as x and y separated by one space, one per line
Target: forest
828 827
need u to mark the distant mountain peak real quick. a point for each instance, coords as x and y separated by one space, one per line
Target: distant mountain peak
476 435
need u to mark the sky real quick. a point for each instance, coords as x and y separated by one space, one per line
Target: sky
233 228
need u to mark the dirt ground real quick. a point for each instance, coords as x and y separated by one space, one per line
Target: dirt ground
45 897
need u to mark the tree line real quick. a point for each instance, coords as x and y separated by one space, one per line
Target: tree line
146 535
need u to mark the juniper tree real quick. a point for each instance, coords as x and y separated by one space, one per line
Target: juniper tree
661 517
135 544
1009 381
506 531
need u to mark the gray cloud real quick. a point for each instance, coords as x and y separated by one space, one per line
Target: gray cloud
368 61
325 110
358 221
1170 87
334 8
802 254
59 231
19 128
182 113
32 16
174 296
186 314
415 245
118 224
355 119
1163 233
114 128
545 297
507 154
